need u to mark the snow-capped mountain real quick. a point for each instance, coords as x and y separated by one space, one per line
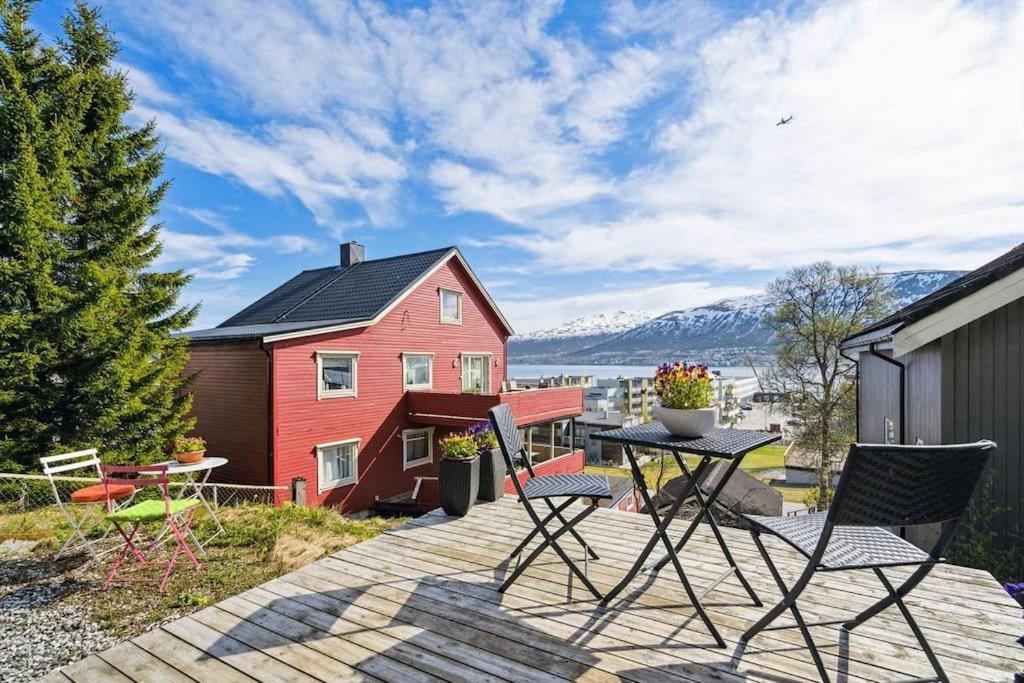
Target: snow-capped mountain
727 332
575 334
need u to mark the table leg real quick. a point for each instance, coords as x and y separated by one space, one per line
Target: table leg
660 533
202 499
705 511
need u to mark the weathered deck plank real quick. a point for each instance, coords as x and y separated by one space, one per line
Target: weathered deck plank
419 603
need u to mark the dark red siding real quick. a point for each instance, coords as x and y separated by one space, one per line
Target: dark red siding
229 403
379 413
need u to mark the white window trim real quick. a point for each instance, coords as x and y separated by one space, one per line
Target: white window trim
322 486
418 387
406 433
440 302
322 393
483 354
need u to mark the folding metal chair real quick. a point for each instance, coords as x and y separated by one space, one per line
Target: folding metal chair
86 500
881 486
569 486
175 513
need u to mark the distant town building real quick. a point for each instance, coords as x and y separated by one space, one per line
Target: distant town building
554 381
601 452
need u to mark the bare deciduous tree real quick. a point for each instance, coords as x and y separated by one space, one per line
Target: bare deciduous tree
814 308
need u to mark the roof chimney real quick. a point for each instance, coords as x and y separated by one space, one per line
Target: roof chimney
351 254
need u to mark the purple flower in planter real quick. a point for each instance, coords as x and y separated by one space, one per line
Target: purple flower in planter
1016 591
479 427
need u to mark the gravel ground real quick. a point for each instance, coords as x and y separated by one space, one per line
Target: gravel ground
41 625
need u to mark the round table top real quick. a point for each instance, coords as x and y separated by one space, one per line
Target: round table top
174 467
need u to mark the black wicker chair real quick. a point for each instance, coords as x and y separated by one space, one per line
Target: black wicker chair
881 486
545 487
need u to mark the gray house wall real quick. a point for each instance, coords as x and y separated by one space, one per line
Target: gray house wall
879 399
983 398
879 396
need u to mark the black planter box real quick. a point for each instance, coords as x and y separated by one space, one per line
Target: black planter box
458 485
492 476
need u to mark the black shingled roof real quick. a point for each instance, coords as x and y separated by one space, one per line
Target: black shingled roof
963 286
353 294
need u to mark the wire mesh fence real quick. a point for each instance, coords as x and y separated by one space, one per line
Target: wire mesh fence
24 492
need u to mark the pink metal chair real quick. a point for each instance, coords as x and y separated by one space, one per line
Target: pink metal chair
176 514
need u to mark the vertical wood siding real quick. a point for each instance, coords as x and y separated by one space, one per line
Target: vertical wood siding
983 398
879 394
378 414
229 403
879 397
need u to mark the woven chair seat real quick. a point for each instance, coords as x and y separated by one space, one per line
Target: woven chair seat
849 547
557 485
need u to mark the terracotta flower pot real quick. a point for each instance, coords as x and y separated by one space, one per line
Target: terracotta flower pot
190 458
689 423
458 484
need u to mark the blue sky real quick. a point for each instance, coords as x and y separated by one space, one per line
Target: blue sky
585 157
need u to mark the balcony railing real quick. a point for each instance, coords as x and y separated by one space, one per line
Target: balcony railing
460 410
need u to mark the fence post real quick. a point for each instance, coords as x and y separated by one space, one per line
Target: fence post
299 491
215 502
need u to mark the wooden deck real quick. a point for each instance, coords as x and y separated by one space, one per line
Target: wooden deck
419 603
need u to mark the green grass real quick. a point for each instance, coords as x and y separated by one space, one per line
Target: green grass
771 457
259 543
792 494
765 458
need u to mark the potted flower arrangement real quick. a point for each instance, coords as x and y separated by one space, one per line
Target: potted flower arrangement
459 473
492 465
189 449
686 397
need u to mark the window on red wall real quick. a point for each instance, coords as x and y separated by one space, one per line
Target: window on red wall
476 373
337 464
451 306
418 370
337 373
417 447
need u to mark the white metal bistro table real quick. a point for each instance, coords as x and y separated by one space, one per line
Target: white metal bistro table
727 444
195 476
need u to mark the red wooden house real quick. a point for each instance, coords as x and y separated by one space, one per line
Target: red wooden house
342 379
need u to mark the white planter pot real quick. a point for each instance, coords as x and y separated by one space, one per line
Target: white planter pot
688 423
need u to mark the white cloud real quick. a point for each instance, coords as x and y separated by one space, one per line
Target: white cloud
649 144
510 118
204 216
145 87
906 148
316 166
220 256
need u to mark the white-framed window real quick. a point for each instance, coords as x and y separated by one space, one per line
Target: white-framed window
417 447
418 370
337 464
336 373
451 306
476 373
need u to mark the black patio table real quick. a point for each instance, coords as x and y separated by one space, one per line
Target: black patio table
728 444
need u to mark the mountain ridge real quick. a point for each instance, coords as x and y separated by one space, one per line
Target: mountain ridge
726 332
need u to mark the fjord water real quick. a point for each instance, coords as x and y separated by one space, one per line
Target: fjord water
521 371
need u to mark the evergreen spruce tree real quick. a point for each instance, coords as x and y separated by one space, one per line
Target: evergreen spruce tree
86 352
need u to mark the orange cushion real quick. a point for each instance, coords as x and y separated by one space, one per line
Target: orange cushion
96 493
